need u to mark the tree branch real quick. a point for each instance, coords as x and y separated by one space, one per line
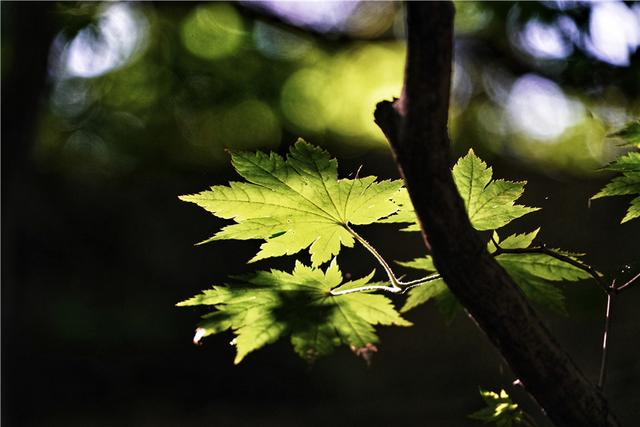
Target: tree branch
416 127
627 285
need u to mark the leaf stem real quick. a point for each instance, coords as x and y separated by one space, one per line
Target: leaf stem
394 290
415 283
396 284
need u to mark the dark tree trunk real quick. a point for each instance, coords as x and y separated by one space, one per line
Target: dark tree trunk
416 127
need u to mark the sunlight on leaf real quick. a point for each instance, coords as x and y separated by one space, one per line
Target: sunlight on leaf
533 272
490 204
296 203
500 410
266 306
630 134
629 165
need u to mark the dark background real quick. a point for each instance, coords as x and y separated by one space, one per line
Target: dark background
97 249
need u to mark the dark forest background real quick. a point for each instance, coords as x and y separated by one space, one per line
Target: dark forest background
112 110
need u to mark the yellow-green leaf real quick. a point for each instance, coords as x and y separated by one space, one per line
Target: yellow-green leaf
296 203
264 307
490 204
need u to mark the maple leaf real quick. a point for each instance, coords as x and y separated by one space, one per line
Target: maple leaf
532 272
626 184
500 410
630 134
296 203
435 289
629 162
490 204
629 165
405 213
268 305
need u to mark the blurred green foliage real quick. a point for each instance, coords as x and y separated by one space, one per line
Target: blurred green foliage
206 77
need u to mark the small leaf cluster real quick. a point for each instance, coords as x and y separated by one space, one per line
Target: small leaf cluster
263 307
500 410
628 165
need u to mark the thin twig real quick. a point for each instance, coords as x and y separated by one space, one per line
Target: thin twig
628 284
607 322
387 268
394 290
546 251
420 282
605 337
405 286
396 284
528 420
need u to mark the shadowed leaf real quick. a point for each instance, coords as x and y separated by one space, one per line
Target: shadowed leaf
266 306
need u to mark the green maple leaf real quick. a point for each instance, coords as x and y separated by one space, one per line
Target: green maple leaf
630 133
447 304
629 165
629 162
405 213
537 264
266 306
626 184
633 211
435 289
534 273
490 204
500 410
296 203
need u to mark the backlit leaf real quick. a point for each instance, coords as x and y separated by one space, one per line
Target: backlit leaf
629 165
626 184
435 289
500 410
296 203
534 273
490 204
264 307
630 133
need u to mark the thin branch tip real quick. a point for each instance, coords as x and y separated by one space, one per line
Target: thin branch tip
628 284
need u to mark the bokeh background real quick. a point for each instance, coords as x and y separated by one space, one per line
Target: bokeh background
112 110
